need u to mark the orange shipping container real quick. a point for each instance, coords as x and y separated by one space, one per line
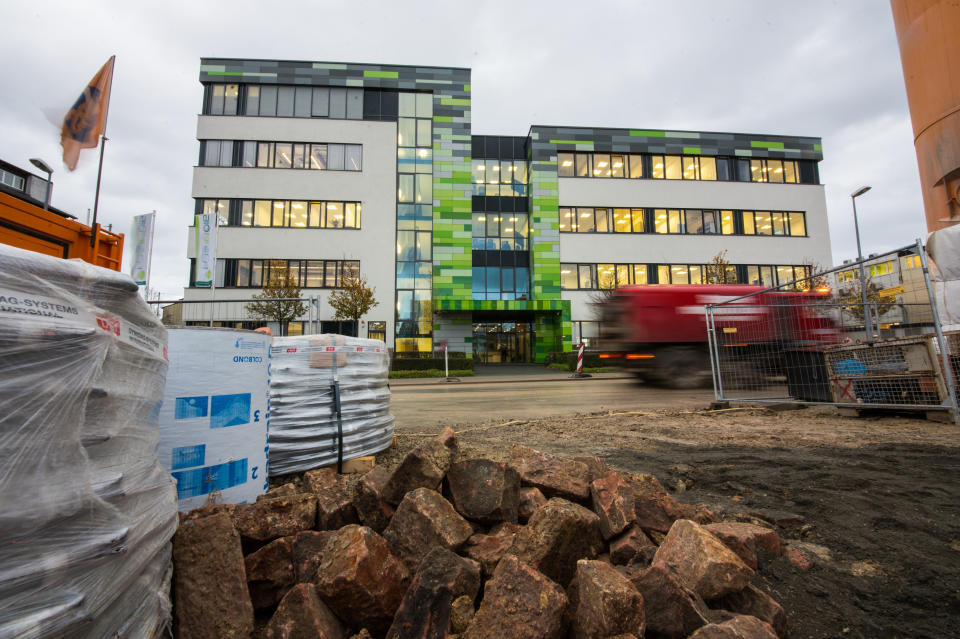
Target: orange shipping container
30 227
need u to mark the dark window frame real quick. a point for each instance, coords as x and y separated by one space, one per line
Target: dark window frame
805 171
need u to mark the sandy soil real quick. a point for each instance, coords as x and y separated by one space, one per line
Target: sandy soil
879 499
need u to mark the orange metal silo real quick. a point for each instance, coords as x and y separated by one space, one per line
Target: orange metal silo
929 35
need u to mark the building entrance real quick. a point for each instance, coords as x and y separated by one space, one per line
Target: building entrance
503 342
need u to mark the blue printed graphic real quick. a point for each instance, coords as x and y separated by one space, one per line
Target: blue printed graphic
190 407
229 410
188 456
200 481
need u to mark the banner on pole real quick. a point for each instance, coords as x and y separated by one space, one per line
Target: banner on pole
206 230
142 246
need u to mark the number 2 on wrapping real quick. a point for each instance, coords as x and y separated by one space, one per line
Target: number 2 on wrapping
256 416
253 473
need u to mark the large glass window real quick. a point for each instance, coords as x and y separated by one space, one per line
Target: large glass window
708 168
499 177
254 273
284 155
294 214
621 221
585 220
660 221
676 167
656 164
672 167
285 101
798 225
601 165
586 275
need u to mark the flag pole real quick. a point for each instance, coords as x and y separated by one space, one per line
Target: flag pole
103 143
153 228
96 197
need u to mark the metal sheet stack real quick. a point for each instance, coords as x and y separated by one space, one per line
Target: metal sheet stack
88 511
303 420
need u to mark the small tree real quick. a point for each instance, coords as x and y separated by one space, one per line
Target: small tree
279 298
353 299
816 278
719 270
852 300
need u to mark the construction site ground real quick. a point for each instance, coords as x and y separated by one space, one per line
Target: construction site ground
879 497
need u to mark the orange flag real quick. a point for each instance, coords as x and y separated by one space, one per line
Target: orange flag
86 121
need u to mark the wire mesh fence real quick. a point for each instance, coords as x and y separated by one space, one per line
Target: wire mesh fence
853 338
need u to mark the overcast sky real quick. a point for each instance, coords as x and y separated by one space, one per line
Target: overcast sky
815 68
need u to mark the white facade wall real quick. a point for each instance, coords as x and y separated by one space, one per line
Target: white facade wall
374 187
690 249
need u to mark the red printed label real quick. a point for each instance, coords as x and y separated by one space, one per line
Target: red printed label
109 324
291 350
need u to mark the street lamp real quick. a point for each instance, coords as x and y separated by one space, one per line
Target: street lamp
43 166
867 318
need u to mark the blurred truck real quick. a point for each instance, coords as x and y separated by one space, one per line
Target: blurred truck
660 332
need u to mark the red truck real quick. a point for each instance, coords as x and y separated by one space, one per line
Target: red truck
660 332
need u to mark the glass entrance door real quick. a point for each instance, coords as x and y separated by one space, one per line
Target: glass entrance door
502 342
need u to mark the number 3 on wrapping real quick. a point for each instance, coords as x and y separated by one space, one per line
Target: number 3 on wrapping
256 416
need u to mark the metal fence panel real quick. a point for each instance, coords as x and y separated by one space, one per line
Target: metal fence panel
808 342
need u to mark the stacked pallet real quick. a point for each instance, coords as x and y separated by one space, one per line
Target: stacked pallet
88 511
329 401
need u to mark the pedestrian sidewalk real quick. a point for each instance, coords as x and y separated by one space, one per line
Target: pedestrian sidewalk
507 374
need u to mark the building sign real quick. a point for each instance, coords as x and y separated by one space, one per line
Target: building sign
206 229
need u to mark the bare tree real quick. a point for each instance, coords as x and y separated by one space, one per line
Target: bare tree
720 271
816 278
353 299
279 300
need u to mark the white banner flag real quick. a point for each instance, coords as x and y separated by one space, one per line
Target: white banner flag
206 228
142 232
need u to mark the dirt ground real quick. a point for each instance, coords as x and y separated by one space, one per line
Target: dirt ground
879 499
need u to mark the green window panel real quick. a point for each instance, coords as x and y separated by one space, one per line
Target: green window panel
647 133
691 150
760 144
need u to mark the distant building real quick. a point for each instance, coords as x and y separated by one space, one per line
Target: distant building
900 302
492 245
24 223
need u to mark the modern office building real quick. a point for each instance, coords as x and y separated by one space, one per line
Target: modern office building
493 245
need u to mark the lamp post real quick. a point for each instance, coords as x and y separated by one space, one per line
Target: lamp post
867 318
43 166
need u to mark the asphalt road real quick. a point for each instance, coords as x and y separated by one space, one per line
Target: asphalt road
470 403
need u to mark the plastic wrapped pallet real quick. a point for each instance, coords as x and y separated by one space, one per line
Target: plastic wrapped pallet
303 421
214 418
88 511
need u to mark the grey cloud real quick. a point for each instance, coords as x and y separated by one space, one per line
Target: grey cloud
821 68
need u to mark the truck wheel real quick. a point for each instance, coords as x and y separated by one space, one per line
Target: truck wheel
683 368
